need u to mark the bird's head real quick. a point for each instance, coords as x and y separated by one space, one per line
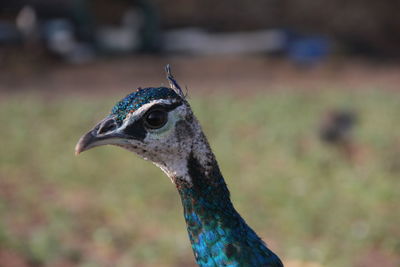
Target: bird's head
156 123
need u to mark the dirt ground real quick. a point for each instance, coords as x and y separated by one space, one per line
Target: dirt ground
241 75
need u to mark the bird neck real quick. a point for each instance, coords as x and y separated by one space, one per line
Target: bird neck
219 235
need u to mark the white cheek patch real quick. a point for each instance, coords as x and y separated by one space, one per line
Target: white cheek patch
172 153
173 117
162 146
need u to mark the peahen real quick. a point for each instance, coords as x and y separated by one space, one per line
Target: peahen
158 125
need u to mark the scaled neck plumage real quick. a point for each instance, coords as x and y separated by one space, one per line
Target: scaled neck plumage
219 235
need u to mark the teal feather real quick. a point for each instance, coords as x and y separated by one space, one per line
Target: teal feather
219 235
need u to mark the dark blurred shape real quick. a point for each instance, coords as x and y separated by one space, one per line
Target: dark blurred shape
61 39
128 26
336 126
9 34
76 11
77 31
64 28
308 50
365 27
122 38
119 27
27 24
336 130
200 42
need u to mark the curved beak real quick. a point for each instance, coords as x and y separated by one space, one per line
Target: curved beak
104 133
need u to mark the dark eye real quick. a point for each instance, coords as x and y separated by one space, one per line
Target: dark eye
156 119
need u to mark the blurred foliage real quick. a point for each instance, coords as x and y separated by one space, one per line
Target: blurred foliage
109 208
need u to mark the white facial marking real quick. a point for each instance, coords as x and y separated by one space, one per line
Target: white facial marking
133 116
170 146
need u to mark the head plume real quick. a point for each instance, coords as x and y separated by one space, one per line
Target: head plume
173 83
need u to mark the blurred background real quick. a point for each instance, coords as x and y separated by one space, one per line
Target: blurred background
299 99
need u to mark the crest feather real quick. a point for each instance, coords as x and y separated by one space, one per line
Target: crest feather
173 83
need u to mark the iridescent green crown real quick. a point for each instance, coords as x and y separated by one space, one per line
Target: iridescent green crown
140 97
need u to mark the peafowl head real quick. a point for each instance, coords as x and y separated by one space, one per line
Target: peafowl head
157 124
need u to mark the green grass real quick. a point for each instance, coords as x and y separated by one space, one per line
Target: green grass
109 208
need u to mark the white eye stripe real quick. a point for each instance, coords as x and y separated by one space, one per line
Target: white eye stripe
137 114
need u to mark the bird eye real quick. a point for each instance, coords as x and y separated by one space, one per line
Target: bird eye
156 119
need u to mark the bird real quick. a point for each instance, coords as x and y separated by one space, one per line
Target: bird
158 124
336 126
336 129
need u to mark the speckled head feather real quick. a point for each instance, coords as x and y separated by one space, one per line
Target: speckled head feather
141 96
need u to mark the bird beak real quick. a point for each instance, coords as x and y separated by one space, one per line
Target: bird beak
104 133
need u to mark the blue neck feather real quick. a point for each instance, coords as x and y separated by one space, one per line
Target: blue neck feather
219 235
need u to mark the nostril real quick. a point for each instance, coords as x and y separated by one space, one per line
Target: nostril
107 126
